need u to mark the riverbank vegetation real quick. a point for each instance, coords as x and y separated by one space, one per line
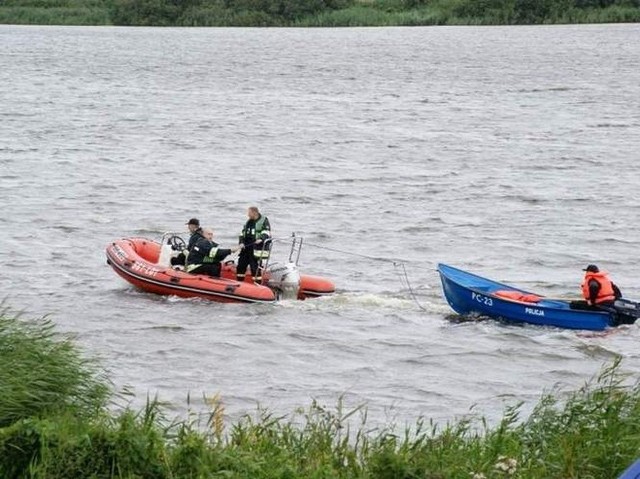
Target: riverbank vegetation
58 420
316 13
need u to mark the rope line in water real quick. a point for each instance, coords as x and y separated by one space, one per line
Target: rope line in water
400 267
408 283
372 258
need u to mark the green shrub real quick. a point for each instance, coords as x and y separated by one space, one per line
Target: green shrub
144 12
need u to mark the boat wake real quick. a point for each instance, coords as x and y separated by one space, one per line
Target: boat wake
392 301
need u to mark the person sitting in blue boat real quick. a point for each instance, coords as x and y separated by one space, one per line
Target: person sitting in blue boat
205 256
601 294
597 289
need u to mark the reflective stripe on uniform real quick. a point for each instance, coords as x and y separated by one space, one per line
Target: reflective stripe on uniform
211 257
259 253
191 267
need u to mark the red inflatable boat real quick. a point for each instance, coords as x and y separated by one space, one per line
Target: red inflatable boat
146 264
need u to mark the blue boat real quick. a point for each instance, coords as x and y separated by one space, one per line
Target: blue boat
633 472
468 293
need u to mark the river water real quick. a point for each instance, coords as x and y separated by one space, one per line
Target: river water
509 151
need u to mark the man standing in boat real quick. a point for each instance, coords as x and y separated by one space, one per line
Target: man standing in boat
196 233
254 238
597 289
205 255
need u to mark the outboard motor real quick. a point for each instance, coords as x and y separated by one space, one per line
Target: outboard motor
626 311
284 279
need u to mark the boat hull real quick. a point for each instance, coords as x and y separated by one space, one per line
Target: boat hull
136 261
315 286
133 260
471 294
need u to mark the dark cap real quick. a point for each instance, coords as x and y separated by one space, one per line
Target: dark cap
592 268
193 221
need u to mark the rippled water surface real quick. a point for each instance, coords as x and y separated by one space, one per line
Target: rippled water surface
509 151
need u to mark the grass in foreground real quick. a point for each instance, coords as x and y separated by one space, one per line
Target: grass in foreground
55 423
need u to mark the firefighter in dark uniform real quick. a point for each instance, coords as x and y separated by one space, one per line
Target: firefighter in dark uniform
254 238
205 255
196 233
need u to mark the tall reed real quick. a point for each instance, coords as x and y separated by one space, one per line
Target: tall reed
42 373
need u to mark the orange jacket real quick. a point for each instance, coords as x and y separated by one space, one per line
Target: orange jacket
606 292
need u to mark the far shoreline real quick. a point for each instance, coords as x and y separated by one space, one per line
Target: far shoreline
362 27
323 14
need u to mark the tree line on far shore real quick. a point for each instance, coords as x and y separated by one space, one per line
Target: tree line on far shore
316 12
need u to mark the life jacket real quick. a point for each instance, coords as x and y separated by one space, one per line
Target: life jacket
606 292
518 296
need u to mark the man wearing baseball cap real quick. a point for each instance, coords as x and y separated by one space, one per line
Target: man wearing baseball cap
196 233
